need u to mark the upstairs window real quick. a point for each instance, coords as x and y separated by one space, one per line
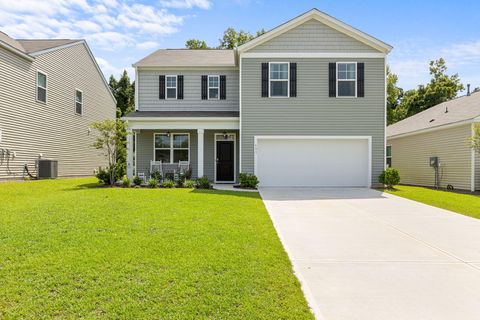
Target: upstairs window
171 87
346 79
213 87
78 102
41 87
279 79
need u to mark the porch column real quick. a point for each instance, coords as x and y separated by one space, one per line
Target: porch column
200 146
129 154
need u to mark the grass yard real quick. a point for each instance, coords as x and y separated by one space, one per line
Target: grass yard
466 204
69 250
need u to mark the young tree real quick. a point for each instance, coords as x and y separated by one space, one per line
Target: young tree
196 44
111 138
394 96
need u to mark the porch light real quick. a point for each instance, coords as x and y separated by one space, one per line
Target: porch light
168 133
225 135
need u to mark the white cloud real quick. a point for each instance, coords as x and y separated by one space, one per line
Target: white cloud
111 41
186 4
147 45
109 69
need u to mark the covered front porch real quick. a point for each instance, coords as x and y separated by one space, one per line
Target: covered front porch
209 145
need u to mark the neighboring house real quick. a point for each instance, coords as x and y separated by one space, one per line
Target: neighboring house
51 91
442 131
301 105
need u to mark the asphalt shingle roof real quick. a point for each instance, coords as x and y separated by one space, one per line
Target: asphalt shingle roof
188 58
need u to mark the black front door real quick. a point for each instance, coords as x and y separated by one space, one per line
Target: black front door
225 161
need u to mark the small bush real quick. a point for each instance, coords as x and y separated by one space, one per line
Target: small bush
203 183
390 177
137 181
152 183
167 183
188 184
156 175
187 175
248 180
126 183
103 176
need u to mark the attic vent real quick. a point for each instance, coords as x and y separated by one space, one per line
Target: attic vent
432 120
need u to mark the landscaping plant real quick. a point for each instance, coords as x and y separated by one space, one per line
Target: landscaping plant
126 182
137 181
167 183
248 180
390 178
152 183
203 183
188 183
155 174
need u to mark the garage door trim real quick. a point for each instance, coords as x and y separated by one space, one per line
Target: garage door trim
277 137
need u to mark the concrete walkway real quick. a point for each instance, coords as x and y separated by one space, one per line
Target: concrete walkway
361 254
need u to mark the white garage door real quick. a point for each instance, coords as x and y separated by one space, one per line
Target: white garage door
313 161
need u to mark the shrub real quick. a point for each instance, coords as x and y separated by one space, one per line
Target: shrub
389 177
103 176
203 183
248 180
152 183
156 175
187 175
126 182
137 181
167 183
188 184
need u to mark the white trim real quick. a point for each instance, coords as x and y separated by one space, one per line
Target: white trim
368 138
75 105
136 153
37 53
130 138
332 55
440 127
325 19
16 51
385 115
217 87
234 157
136 88
345 80
240 116
185 68
167 87
472 162
169 119
200 152
171 145
278 80
37 86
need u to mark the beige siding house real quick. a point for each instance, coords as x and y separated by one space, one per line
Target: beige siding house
442 131
51 91
301 105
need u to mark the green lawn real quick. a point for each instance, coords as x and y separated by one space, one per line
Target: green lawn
466 204
69 250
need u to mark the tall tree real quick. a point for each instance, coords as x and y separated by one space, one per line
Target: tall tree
394 96
196 44
124 92
232 38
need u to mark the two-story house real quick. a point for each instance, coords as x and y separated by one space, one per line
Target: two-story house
50 92
301 105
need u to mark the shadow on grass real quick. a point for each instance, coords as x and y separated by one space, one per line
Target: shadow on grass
244 194
86 186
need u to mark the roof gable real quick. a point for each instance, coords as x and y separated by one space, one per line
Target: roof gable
326 20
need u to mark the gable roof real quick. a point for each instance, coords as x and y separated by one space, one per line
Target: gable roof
325 19
462 109
188 58
36 45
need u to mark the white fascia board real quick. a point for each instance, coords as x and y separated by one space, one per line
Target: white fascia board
441 127
183 123
16 51
37 53
187 68
313 55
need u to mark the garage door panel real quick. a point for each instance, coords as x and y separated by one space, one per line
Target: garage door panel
313 162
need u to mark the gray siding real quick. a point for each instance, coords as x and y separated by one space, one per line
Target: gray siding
145 150
148 91
410 155
477 171
312 112
53 129
313 36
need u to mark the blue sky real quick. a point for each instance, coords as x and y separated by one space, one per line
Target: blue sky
120 32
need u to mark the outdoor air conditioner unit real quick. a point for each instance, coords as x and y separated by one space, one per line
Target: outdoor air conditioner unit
47 169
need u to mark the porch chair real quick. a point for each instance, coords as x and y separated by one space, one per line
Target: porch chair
183 166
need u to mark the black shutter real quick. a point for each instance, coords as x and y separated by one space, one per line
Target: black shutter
360 79
180 87
264 79
161 87
332 79
223 87
293 79
204 88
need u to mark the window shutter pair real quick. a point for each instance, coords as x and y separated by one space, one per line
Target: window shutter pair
161 87
222 89
292 76
332 79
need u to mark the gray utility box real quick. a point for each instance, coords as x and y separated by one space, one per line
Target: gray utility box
47 169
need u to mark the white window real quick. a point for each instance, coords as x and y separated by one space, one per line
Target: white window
78 101
172 147
171 87
346 79
279 79
389 156
213 87
41 87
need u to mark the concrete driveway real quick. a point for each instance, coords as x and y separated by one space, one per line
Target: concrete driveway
361 254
